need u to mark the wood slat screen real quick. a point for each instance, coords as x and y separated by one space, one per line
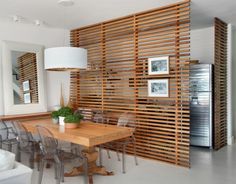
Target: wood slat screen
28 71
117 77
220 124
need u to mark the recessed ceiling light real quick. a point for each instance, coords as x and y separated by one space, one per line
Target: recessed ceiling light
38 22
16 18
66 2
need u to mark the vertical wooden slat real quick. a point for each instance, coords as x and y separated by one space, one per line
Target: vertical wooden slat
135 35
220 75
177 60
103 47
117 77
74 77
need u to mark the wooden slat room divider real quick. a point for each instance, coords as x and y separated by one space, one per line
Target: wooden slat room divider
28 72
220 124
116 80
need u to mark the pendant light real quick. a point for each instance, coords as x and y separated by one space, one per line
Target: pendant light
65 58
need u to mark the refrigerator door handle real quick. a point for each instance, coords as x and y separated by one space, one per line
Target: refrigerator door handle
194 100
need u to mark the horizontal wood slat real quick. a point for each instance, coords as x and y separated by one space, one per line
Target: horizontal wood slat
117 75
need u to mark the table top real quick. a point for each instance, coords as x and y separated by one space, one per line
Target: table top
88 134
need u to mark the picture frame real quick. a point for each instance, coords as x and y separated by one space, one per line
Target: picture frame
158 88
158 66
27 98
26 85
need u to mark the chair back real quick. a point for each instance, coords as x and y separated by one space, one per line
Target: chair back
23 136
86 112
4 133
48 143
98 117
127 120
10 129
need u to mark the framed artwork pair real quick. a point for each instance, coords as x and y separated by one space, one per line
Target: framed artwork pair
26 90
158 87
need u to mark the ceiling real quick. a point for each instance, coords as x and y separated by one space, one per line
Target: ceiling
87 12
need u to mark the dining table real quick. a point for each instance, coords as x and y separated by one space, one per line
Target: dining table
88 135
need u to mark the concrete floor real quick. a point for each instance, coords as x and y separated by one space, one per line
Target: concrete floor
207 167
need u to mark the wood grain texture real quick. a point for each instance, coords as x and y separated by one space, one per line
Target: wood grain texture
26 116
117 76
220 89
87 134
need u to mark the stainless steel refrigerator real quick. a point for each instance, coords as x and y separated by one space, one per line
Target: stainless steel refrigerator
201 105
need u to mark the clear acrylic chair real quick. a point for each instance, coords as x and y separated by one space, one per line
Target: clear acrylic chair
7 135
100 117
25 143
50 152
125 120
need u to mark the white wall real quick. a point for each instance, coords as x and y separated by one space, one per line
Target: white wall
202 45
48 37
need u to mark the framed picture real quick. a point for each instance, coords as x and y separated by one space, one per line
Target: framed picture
27 98
26 85
158 65
158 88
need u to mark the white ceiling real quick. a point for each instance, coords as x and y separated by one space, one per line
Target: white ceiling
86 12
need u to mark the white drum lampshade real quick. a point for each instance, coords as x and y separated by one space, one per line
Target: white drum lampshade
65 58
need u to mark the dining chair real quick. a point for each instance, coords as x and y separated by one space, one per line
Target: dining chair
7 135
50 152
125 120
99 117
26 143
86 112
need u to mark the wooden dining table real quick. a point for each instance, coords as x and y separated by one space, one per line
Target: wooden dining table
88 134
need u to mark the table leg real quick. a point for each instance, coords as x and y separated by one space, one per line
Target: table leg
91 154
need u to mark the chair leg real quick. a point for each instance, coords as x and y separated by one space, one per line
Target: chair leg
135 154
58 173
55 171
41 167
31 159
62 172
58 163
123 160
100 156
9 147
117 153
18 153
38 154
0 142
38 157
108 154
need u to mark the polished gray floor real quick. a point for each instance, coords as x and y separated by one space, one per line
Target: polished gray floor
207 167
